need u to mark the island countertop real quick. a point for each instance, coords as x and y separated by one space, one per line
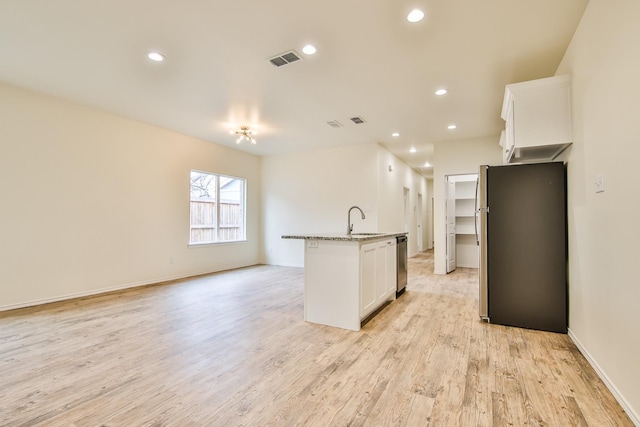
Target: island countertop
354 237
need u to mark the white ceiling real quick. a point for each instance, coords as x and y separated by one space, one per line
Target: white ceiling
370 62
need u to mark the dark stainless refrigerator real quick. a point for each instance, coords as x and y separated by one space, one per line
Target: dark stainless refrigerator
522 235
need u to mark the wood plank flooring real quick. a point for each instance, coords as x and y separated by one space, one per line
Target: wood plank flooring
231 349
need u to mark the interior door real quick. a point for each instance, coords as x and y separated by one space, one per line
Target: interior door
451 225
419 215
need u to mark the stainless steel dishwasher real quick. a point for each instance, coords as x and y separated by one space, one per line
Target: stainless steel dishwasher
401 251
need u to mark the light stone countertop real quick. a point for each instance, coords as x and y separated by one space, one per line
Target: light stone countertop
355 237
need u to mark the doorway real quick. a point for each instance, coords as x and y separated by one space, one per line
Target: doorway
462 249
450 209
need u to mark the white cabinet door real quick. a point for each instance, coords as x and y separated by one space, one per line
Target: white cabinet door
386 280
543 114
368 269
381 271
391 270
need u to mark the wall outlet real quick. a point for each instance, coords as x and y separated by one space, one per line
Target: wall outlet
599 183
170 260
312 243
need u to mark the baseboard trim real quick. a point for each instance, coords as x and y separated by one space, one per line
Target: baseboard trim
635 419
101 291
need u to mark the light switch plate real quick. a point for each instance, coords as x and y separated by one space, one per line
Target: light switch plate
599 183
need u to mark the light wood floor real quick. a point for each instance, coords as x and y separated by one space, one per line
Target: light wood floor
231 349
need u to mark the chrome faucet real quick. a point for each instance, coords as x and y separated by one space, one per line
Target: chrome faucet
349 225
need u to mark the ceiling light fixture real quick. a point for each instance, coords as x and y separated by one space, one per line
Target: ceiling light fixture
309 49
412 150
395 134
441 92
451 127
415 15
427 164
245 133
155 56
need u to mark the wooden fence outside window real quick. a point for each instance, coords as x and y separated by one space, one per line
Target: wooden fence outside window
203 221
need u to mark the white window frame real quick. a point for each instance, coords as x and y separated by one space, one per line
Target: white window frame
217 204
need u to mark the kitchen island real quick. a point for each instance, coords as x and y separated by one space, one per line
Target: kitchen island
347 277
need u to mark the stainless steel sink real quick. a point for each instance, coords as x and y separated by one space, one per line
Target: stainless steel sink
367 234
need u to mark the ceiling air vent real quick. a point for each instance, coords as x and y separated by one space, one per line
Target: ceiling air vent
357 120
285 58
334 124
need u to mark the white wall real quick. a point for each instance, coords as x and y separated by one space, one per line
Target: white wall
92 201
454 158
604 236
311 192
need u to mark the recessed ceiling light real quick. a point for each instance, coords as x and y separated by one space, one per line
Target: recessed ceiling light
309 49
412 149
451 127
427 164
155 56
395 134
441 92
415 15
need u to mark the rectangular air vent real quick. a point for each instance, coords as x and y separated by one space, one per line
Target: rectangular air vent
285 58
334 124
357 120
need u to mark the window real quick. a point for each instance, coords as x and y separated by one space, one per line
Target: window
217 208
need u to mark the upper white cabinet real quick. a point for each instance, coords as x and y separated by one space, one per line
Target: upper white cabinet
537 117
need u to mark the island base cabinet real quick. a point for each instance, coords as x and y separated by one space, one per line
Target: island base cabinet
332 274
347 281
